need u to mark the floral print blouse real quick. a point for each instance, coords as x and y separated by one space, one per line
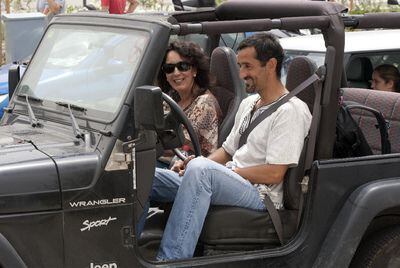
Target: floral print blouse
204 113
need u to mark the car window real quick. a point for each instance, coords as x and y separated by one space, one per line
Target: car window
387 58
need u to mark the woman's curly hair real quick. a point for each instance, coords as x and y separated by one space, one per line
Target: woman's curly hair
193 53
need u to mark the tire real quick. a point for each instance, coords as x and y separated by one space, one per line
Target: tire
380 250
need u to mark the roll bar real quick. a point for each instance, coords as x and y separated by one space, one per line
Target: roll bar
374 20
252 25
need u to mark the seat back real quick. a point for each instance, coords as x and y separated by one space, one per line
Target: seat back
228 89
388 103
300 68
359 73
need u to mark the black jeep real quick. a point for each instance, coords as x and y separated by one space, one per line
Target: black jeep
80 138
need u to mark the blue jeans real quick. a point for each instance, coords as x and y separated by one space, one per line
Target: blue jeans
205 182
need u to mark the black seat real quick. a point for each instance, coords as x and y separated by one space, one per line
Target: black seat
228 89
359 73
228 229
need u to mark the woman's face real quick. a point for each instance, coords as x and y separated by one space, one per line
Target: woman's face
180 80
379 84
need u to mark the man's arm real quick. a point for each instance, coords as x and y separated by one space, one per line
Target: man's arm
263 174
54 7
132 6
105 5
220 156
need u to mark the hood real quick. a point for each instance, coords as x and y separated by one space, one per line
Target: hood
28 178
36 164
41 163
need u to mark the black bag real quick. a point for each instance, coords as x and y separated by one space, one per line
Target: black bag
350 140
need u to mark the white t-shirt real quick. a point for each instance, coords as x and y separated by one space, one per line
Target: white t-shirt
278 139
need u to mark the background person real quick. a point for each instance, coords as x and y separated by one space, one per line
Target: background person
50 7
386 77
185 77
118 6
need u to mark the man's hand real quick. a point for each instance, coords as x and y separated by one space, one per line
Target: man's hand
179 166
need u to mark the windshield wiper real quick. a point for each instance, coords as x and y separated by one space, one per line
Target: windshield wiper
75 127
32 118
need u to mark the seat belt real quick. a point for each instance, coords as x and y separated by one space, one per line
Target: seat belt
311 143
272 211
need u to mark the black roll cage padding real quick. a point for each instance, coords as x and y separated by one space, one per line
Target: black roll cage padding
256 9
388 20
253 25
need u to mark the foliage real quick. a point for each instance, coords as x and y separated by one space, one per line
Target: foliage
369 6
150 4
153 5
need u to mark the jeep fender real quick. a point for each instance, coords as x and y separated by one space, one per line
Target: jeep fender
8 255
353 220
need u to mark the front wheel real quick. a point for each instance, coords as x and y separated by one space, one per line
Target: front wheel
381 249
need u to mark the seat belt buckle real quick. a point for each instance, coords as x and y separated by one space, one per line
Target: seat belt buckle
304 184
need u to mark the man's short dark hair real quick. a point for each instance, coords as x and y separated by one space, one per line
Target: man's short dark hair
267 47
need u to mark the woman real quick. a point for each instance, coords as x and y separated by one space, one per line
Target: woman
185 77
386 77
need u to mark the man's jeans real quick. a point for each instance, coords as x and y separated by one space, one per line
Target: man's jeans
205 182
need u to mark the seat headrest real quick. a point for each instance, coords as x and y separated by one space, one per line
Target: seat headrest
359 69
228 89
301 68
224 69
222 66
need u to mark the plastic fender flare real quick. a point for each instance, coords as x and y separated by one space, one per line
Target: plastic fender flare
353 220
8 255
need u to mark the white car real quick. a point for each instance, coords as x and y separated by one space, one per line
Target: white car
364 50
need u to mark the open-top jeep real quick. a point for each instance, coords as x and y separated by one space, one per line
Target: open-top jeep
80 138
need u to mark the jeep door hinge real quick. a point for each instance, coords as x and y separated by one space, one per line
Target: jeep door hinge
128 238
128 146
123 158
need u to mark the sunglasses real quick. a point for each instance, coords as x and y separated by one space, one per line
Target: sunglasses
182 66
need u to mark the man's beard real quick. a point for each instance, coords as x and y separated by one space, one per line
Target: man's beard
250 86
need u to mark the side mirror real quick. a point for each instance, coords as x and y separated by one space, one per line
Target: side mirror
148 108
89 6
180 5
13 79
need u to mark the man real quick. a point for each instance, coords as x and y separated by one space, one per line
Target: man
50 7
118 6
231 175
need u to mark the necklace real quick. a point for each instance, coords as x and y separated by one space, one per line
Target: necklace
259 104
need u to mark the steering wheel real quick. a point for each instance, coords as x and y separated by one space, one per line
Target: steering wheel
182 118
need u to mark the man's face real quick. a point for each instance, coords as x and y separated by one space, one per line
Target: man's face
251 70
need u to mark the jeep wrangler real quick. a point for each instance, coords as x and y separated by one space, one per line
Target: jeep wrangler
81 134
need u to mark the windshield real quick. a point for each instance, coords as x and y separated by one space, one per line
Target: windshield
87 66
